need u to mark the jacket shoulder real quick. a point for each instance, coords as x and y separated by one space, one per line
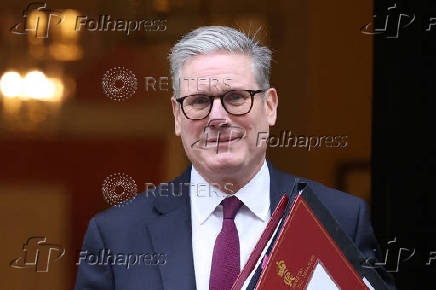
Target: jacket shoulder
327 193
142 209
344 207
129 213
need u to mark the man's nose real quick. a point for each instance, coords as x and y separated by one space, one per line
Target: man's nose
217 111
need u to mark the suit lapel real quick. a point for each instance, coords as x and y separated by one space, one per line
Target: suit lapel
280 183
171 234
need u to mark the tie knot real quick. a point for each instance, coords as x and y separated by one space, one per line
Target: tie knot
231 205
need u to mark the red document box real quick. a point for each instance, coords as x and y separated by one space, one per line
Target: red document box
309 238
302 243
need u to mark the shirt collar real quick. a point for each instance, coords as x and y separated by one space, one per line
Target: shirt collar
255 195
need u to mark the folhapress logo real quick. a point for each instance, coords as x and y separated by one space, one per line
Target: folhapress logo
392 22
38 254
107 23
39 18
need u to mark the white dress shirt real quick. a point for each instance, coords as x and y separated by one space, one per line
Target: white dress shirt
207 218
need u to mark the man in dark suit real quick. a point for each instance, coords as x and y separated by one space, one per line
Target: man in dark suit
197 231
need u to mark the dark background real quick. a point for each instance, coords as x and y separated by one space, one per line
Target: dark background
404 144
332 80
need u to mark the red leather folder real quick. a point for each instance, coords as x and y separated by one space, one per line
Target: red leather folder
260 245
307 237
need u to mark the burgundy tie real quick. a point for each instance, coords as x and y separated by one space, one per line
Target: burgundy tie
225 261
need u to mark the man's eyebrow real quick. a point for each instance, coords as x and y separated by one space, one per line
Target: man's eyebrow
233 88
201 94
215 93
207 94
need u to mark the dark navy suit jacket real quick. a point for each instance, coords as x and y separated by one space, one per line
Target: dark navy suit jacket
159 223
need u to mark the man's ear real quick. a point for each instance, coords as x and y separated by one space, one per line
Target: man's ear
271 104
176 113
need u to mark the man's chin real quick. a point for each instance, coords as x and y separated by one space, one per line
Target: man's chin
225 162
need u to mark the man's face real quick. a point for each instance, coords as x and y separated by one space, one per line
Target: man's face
222 143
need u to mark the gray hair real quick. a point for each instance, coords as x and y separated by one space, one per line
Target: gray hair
208 39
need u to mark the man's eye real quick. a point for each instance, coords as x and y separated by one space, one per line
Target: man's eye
235 97
200 101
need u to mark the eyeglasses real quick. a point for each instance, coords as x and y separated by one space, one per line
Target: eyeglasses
235 102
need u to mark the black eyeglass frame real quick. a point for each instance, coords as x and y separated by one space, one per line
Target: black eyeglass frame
211 99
